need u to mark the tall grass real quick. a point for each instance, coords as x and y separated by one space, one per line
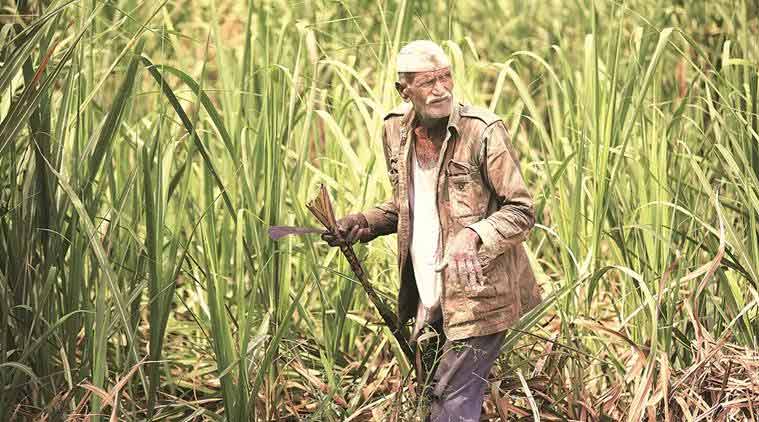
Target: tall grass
145 148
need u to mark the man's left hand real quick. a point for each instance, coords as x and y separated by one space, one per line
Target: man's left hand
461 259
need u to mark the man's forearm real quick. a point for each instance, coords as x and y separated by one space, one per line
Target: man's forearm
515 216
509 225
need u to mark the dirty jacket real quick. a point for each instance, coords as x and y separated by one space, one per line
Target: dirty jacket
479 186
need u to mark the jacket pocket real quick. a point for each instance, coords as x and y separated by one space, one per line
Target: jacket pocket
479 290
464 190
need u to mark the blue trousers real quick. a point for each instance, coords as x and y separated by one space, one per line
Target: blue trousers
459 371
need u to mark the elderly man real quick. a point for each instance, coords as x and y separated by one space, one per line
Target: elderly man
461 210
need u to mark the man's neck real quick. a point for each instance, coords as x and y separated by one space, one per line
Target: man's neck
432 123
435 127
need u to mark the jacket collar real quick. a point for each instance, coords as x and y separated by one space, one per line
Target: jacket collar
453 119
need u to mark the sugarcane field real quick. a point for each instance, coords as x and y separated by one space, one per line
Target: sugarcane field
390 210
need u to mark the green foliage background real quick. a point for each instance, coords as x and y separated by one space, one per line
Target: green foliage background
146 147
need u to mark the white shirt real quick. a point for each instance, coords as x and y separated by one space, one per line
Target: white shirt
425 234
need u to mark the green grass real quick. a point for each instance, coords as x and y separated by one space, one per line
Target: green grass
145 148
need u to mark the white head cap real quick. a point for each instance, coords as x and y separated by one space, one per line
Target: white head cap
421 56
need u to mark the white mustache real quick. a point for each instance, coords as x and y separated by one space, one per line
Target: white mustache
432 100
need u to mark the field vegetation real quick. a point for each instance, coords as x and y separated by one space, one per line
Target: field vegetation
147 146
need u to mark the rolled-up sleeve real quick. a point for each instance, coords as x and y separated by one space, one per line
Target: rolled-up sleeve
515 216
383 218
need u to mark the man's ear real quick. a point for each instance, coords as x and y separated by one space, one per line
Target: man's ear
401 88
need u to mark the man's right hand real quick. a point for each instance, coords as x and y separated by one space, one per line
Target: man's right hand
352 228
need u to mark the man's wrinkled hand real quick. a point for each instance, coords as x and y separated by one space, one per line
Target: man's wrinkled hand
350 229
461 259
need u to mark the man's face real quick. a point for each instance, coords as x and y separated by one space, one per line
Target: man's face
429 92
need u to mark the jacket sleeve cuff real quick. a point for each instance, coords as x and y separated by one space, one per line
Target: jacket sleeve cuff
493 242
374 217
381 220
487 233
